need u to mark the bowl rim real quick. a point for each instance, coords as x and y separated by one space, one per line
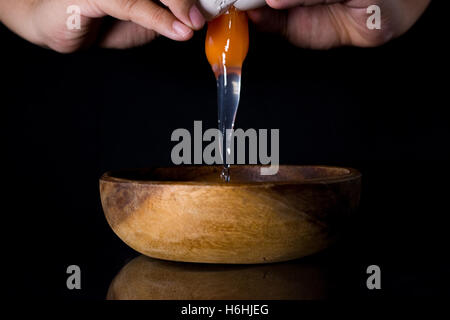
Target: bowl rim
353 174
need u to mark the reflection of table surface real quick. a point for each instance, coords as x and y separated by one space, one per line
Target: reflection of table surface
147 278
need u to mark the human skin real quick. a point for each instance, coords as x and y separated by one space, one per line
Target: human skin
136 22
316 24
324 24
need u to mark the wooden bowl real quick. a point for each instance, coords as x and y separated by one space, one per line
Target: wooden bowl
145 278
188 214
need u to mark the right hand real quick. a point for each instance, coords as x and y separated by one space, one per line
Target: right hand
135 22
323 24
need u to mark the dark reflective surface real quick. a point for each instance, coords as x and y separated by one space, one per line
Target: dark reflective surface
67 119
151 279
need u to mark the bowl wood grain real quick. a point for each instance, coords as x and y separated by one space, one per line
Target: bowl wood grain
188 214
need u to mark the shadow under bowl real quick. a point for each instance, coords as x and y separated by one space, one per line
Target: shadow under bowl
186 213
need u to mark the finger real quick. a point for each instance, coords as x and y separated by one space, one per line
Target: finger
318 27
187 11
306 27
148 15
126 34
284 4
269 20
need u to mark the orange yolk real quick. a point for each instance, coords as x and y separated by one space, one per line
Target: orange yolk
227 41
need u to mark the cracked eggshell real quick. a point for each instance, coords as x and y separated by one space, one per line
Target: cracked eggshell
213 8
245 5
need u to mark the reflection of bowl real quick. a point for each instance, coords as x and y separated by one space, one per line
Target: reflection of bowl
187 214
149 279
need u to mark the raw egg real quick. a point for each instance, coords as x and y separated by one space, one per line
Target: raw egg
226 42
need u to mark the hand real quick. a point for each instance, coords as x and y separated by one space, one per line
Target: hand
323 24
135 22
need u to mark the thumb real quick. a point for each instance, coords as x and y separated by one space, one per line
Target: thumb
145 13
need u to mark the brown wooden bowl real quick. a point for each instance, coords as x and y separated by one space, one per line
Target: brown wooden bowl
144 278
188 214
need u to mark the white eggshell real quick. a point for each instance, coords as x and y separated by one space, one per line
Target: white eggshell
213 8
249 4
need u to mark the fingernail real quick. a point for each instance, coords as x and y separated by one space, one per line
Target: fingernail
180 28
196 17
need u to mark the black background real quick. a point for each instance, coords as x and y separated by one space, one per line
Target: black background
69 118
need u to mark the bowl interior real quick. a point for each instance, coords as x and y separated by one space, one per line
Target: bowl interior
239 174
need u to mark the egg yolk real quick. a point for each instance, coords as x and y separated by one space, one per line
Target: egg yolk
226 43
